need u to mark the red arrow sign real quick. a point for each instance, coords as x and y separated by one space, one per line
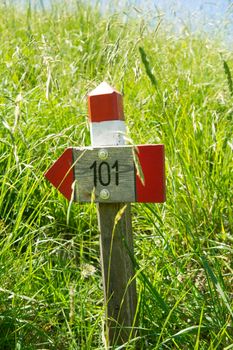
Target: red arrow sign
148 189
108 128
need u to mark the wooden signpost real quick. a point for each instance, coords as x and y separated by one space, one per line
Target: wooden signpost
113 175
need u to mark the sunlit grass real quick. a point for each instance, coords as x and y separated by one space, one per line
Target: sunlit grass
177 91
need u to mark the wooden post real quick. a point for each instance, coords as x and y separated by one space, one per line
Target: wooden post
116 240
116 245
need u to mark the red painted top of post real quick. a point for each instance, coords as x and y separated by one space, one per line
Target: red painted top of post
105 104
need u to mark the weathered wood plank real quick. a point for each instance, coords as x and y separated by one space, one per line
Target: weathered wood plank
98 169
116 246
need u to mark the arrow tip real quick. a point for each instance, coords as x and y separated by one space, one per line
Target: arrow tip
61 174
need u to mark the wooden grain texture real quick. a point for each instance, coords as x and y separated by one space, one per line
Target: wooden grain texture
119 182
116 245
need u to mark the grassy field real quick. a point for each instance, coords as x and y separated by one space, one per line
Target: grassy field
178 91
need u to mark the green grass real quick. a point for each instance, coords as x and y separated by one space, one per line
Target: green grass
177 91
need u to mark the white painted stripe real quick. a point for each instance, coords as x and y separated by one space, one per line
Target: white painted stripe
108 133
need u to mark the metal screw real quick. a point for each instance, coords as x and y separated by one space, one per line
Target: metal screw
104 194
103 154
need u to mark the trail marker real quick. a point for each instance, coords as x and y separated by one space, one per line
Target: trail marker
112 174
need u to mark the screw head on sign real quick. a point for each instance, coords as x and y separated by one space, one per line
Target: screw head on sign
104 194
103 154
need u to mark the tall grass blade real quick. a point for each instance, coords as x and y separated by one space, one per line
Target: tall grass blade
29 15
147 66
199 330
229 77
216 284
